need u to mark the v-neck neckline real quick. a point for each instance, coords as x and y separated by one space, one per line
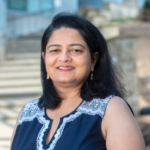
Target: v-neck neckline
60 122
47 117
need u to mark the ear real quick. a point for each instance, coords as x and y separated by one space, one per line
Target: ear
96 56
43 55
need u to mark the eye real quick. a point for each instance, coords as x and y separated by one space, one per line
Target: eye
76 50
54 51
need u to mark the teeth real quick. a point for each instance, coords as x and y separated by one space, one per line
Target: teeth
65 67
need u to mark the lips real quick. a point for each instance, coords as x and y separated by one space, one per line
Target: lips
65 68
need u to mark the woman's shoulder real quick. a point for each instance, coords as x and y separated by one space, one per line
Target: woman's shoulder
118 105
120 123
117 111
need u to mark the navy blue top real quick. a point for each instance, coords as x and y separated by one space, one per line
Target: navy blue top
79 130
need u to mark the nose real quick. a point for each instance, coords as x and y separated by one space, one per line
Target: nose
64 56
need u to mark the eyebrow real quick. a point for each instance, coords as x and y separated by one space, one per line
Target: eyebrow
57 45
77 44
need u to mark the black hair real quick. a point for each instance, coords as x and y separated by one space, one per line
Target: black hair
106 79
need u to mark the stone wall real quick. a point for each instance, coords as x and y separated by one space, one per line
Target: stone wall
123 51
101 21
118 11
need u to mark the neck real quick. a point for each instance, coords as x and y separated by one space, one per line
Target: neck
67 91
71 99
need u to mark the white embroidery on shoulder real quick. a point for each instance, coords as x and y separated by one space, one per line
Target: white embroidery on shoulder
30 111
61 128
95 106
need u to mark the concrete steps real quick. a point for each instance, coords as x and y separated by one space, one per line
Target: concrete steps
6 131
19 78
24 45
10 113
20 83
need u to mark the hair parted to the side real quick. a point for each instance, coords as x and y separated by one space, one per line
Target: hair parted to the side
105 78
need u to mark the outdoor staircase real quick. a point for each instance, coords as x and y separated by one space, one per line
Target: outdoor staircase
19 82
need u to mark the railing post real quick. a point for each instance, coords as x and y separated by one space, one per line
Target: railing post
2 49
3 17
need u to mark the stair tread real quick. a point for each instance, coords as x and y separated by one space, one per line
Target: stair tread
12 112
22 74
21 62
20 82
20 90
19 68
13 103
6 130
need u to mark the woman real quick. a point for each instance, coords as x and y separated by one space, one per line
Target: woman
79 82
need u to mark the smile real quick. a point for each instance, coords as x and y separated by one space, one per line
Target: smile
65 68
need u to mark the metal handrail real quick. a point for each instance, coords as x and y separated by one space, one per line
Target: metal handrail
2 37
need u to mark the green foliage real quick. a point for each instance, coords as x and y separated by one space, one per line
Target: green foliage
121 20
147 4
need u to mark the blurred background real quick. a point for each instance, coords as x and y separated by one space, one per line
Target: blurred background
125 24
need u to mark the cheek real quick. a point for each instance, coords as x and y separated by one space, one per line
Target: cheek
85 63
49 59
49 63
87 60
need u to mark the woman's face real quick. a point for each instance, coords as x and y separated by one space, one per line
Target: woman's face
67 57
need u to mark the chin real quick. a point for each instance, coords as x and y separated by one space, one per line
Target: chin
65 80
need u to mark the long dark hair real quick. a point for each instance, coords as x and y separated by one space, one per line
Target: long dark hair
105 81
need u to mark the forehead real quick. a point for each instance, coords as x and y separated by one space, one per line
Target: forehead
66 34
